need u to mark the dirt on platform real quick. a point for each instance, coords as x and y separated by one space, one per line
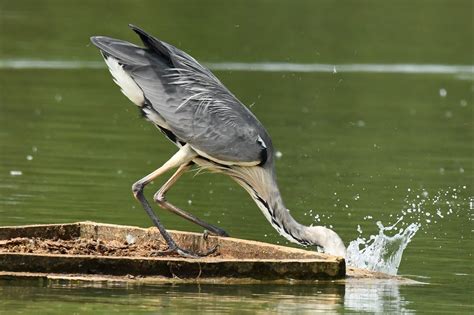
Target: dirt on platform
81 246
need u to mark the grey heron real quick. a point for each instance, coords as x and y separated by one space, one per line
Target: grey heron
211 128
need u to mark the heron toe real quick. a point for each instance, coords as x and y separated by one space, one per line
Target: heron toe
186 253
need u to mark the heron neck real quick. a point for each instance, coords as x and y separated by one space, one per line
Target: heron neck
261 184
280 217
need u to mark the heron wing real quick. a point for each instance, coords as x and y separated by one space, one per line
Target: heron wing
197 108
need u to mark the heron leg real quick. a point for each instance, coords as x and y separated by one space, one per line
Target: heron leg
183 156
161 200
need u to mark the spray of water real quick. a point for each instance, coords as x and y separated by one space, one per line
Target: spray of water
383 252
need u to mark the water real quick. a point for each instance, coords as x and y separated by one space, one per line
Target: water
383 252
356 145
380 253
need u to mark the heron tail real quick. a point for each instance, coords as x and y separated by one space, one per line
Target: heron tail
125 52
129 63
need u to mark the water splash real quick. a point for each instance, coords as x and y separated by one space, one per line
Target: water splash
383 252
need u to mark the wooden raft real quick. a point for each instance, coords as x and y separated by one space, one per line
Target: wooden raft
235 259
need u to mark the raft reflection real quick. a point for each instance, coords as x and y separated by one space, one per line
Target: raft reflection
375 297
355 295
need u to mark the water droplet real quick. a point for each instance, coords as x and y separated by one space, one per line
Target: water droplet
29 157
16 173
443 92
360 123
278 154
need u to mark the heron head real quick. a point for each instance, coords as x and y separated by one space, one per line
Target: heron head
326 239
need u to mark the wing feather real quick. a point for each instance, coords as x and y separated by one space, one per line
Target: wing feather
195 105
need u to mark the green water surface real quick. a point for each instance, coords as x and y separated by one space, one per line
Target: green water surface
356 148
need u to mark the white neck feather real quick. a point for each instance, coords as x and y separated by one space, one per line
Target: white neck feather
261 185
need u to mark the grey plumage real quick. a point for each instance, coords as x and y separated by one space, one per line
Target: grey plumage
211 128
196 106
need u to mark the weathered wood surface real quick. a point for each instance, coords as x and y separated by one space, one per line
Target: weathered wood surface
236 259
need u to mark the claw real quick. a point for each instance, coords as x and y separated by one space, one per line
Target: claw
165 252
210 251
185 253
189 254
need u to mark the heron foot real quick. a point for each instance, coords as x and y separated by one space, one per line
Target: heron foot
185 253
